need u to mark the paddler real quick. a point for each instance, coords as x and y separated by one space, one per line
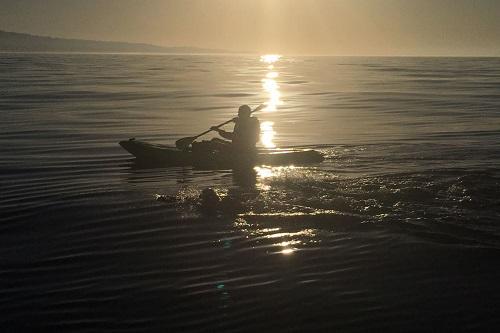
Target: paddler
246 132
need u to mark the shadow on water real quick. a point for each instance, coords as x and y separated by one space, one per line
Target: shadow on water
243 177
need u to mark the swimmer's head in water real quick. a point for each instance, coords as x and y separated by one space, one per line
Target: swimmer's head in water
209 199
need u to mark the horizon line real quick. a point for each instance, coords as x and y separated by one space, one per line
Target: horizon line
229 52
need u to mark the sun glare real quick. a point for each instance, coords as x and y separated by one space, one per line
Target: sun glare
270 58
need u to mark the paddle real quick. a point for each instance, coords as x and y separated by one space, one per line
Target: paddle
183 143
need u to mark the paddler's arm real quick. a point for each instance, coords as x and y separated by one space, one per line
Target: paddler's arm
224 134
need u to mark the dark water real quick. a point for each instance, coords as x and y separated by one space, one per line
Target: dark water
398 230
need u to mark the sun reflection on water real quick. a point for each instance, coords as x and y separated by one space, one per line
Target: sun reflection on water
272 75
263 172
304 232
270 58
271 87
283 240
287 251
291 239
267 134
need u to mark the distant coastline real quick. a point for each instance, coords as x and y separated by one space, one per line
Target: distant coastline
21 42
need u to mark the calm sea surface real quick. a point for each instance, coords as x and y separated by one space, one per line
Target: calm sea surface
397 230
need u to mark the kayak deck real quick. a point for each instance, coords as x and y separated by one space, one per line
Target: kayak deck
151 153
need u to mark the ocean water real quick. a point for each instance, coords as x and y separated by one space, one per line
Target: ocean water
397 230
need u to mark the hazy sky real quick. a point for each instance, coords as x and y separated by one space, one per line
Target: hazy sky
340 27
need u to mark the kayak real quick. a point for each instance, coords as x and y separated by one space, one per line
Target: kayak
151 153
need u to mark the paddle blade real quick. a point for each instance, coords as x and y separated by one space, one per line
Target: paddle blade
183 144
260 107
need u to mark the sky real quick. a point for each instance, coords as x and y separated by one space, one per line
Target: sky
312 27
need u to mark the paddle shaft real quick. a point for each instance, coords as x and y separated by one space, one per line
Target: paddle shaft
260 107
184 142
210 130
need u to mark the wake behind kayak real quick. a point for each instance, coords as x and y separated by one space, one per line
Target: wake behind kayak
157 154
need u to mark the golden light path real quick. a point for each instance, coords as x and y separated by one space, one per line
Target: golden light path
267 134
287 242
271 87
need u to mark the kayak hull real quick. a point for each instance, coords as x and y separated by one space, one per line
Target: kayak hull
150 153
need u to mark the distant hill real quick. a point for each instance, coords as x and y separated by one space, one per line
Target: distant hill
19 42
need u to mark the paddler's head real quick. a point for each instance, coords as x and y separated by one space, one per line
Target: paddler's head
244 111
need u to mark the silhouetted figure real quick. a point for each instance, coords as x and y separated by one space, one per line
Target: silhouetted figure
240 152
245 134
